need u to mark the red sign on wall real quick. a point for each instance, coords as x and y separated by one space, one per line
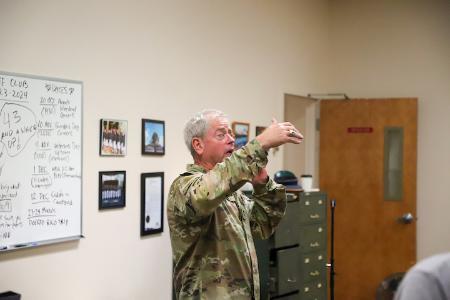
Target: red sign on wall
359 129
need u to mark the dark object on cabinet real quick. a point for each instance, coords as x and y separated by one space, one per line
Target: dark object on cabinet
9 295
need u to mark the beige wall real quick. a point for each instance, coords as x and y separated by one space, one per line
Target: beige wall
151 59
303 158
294 158
400 49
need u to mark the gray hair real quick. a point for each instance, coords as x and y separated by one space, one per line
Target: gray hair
198 125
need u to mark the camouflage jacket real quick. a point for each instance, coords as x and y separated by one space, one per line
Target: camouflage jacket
212 222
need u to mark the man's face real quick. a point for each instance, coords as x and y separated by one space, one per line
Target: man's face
218 142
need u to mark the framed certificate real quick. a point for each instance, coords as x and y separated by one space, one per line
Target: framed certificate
152 203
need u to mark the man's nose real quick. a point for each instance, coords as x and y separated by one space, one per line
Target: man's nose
231 138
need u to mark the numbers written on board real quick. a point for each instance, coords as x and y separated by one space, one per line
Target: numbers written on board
17 126
13 88
11 116
18 95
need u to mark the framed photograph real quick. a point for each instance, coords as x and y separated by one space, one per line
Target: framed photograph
152 202
241 132
111 192
259 130
113 137
153 137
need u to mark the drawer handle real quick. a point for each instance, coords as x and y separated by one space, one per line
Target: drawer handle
314 245
315 273
291 196
316 216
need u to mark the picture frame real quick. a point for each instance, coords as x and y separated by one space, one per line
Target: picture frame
152 203
111 189
153 137
259 130
241 131
113 137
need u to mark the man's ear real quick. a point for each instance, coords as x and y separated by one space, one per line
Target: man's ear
198 146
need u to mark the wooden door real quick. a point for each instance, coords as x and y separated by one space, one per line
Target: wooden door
370 241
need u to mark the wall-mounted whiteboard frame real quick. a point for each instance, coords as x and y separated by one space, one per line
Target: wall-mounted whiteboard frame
41 160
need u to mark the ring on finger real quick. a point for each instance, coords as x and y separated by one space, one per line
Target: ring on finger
292 133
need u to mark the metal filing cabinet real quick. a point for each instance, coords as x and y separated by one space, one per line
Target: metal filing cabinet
297 251
313 245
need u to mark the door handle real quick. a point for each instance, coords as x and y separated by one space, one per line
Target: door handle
406 218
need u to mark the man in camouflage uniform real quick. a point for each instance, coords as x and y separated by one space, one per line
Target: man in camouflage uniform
212 222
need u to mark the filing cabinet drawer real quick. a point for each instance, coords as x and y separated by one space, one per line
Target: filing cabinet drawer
313 291
314 195
313 208
286 232
312 266
286 271
312 237
295 296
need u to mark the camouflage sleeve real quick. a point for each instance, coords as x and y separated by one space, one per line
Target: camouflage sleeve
200 194
268 208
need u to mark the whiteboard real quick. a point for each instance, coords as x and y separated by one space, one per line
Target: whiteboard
40 160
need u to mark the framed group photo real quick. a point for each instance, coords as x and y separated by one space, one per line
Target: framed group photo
111 192
153 137
152 203
241 132
113 137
